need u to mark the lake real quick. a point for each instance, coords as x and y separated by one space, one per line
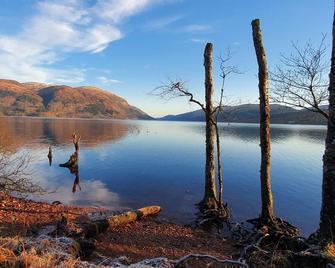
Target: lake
130 164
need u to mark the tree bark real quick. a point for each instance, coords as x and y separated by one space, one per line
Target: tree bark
327 215
210 200
264 109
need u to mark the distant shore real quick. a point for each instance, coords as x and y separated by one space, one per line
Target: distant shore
152 120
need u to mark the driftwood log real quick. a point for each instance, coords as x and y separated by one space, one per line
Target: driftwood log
74 158
100 226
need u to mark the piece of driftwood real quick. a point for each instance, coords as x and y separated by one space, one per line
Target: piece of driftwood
100 226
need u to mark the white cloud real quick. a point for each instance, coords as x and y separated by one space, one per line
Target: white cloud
197 40
58 28
106 80
116 10
161 22
196 28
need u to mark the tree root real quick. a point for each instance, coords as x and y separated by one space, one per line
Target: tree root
210 218
276 245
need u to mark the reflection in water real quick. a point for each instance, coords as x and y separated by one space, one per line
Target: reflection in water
76 182
20 131
163 164
279 133
50 156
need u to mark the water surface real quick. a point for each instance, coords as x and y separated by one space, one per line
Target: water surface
130 164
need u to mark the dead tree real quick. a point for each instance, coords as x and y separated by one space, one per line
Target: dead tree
327 216
177 89
300 81
264 107
74 158
210 199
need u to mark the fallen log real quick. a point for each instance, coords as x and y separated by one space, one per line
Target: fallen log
100 226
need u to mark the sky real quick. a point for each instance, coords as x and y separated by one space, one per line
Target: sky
130 47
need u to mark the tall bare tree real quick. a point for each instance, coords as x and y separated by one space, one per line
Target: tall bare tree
264 108
300 81
210 199
327 216
177 89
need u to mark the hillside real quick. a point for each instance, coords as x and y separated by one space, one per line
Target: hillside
249 113
38 99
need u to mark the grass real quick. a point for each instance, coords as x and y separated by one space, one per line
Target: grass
48 252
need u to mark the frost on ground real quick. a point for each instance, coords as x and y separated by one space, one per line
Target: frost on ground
46 251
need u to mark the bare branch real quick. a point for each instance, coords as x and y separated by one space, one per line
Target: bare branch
174 89
14 175
301 79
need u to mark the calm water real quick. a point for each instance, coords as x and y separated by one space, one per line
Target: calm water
130 164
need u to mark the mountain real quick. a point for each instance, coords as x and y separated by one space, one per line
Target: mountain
249 113
38 99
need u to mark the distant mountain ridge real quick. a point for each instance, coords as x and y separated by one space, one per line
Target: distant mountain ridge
39 99
249 113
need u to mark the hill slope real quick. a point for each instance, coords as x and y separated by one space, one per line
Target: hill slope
249 113
38 99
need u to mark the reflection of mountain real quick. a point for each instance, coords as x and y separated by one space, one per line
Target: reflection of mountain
17 132
249 113
37 99
250 132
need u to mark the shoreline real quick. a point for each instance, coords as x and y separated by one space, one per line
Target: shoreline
144 239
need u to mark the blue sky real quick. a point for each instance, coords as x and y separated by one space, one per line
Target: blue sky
129 47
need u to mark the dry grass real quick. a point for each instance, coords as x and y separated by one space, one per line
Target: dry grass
39 253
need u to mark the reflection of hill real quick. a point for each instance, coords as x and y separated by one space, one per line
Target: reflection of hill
250 132
17 132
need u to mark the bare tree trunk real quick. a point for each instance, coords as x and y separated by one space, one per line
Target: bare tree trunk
264 108
327 217
209 200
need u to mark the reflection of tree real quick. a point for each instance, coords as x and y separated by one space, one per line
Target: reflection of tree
76 182
21 131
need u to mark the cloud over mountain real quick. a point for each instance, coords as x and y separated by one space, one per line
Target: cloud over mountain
58 28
